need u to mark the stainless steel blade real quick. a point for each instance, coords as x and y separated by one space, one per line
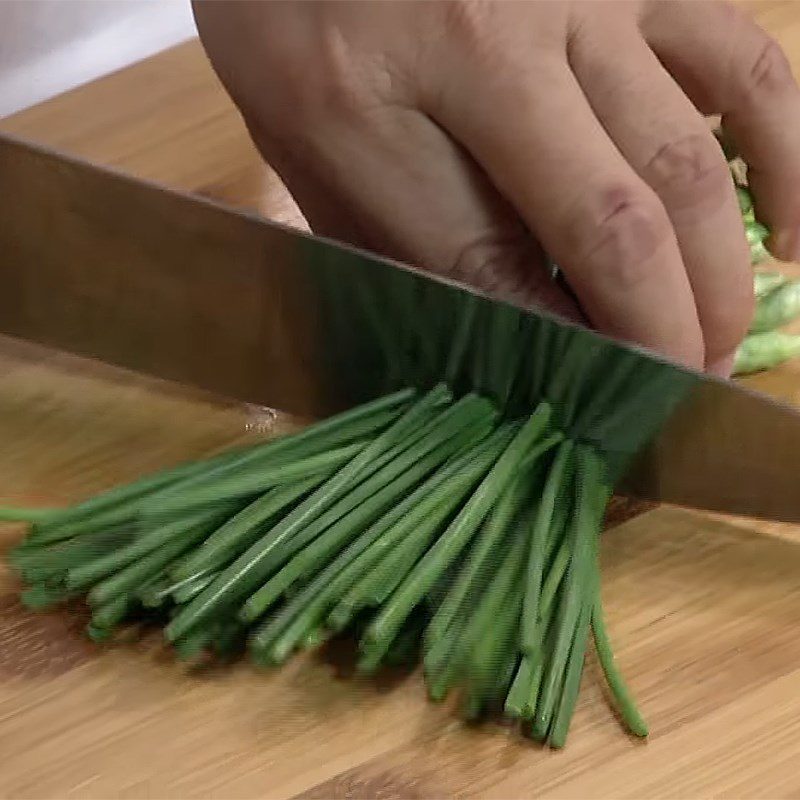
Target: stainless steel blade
104 266
725 449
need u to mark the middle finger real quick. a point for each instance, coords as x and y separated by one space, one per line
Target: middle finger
670 146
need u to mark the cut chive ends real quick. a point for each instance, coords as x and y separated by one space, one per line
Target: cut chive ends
438 531
29 515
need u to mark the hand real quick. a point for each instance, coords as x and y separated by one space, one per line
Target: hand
465 137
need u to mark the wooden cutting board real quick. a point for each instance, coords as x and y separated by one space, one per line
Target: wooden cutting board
704 611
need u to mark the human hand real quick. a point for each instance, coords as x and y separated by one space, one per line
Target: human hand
465 137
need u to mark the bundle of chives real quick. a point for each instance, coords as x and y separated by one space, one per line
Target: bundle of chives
464 537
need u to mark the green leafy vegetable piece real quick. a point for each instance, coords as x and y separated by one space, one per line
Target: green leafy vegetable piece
760 351
777 307
764 281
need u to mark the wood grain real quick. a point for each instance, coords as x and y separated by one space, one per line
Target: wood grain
704 611
166 119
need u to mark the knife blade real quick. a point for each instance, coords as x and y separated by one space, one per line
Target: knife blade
105 266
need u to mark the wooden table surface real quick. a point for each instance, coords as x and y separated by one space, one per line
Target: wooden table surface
704 611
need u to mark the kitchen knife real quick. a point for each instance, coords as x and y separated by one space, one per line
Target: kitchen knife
98 264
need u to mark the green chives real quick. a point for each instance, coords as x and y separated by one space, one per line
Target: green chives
436 528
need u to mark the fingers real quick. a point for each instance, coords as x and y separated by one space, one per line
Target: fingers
728 65
401 188
363 165
670 146
532 130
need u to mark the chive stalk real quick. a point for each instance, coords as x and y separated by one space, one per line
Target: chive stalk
384 627
253 566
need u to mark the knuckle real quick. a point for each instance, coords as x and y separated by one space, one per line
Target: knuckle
468 20
688 171
482 32
495 263
618 231
338 86
769 71
345 82
510 266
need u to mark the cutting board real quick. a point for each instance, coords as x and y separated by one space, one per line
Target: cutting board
703 610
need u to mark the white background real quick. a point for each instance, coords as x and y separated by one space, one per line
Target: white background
49 46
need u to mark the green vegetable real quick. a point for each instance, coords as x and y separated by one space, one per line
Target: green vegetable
777 297
41 596
118 503
760 351
429 505
336 536
579 580
454 524
256 563
241 529
765 281
486 548
294 466
447 528
189 647
745 201
384 627
135 575
755 232
622 695
557 736
36 564
777 307
490 632
92 570
540 535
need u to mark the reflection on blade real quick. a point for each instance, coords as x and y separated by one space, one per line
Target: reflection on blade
389 327
727 450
